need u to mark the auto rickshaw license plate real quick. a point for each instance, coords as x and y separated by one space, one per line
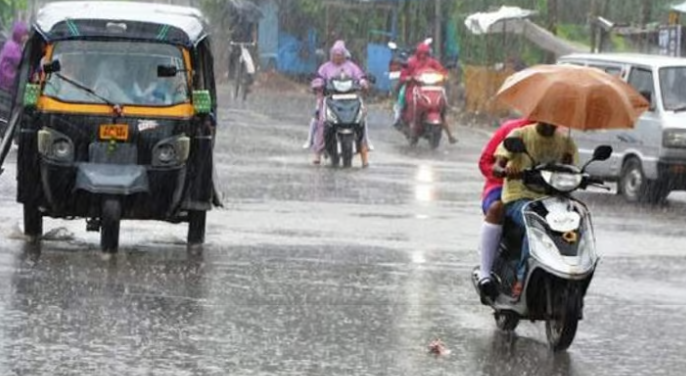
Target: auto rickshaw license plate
118 132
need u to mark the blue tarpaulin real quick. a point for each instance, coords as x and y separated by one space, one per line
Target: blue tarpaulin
295 56
378 59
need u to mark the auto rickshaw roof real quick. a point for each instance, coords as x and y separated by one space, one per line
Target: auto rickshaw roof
62 20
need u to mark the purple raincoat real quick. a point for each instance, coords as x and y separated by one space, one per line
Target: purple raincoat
327 71
10 56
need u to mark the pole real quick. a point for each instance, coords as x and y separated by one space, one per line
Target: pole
437 29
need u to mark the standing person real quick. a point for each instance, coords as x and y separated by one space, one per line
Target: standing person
492 206
339 64
10 56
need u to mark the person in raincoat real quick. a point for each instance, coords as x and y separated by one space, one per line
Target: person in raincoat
10 56
337 65
420 60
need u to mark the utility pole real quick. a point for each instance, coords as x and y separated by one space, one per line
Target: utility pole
438 17
592 19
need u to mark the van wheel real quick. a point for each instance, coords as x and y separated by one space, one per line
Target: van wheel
109 225
33 221
635 187
196 227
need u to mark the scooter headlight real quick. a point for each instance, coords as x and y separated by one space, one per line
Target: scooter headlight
562 181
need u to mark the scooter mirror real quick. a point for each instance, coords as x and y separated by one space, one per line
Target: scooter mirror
514 145
602 153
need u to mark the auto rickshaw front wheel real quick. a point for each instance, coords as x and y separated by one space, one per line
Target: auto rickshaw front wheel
110 218
196 227
33 222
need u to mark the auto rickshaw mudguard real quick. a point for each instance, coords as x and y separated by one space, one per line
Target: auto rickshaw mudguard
111 179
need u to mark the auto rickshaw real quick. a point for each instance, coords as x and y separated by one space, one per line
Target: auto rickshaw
116 117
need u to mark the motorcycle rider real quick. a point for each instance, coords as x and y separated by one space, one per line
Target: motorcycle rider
338 64
545 145
420 60
492 206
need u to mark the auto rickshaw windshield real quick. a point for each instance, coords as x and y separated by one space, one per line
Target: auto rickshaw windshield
122 72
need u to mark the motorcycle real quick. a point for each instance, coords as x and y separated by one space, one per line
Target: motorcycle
562 257
344 116
426 103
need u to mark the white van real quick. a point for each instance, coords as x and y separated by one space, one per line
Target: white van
649 161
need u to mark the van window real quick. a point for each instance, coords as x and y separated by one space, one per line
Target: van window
642 80
615 71
673 87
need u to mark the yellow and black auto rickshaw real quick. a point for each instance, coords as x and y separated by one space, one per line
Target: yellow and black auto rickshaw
115 117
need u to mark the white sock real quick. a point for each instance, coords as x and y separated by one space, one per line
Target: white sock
490 239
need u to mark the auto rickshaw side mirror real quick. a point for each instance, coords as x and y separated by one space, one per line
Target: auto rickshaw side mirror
202 102
52 67
31 94
167 71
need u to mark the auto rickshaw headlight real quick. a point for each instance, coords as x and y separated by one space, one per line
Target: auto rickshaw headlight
171 151
61 149
166 153
55 146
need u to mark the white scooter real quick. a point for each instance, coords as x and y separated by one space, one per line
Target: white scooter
562 250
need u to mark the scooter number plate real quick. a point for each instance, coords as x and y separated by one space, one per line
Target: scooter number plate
117 132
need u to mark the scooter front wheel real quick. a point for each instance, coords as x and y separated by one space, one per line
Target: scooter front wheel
564 312
347 149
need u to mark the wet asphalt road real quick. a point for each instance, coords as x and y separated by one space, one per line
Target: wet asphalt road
319 272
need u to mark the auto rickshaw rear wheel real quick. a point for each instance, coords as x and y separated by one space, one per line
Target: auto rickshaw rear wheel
196 227
33 221
110 219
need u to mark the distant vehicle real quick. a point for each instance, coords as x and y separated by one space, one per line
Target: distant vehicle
426 103
117 117
649 161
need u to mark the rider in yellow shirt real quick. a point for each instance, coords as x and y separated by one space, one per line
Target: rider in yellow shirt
545 145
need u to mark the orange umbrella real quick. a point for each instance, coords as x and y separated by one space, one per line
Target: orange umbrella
573 96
